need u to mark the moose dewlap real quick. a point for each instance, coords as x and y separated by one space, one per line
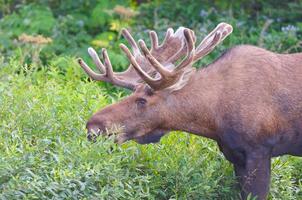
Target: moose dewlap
249 100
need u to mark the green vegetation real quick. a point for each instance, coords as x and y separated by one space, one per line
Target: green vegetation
46 99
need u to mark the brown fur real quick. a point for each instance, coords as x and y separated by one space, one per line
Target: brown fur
249 101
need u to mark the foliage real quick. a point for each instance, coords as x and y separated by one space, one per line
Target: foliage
45 100
72 31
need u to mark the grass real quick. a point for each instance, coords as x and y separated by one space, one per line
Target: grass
44 153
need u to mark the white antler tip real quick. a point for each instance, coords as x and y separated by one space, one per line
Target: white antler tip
141 42
226 27
124 30
92 52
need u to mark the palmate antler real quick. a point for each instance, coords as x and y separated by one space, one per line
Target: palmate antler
160 59
173 47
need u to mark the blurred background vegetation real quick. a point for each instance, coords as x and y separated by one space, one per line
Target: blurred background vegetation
45 99
72 26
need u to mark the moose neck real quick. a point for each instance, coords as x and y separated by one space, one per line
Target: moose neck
193 108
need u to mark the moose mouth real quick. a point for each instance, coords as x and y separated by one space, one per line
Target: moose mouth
150 137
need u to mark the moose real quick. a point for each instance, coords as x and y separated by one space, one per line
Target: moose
249 100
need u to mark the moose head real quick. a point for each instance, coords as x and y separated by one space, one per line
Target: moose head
161 80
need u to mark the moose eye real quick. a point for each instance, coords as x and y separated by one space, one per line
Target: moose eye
141 102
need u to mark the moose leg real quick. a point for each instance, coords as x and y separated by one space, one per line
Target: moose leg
254 175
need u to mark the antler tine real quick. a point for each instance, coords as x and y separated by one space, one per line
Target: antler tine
221 31
96 60
108 66
89 71
169 32
155 64
107 72
179 34
131 41
149 80
185 62
190 50
154 40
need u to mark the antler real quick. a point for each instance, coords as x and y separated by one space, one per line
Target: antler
167 77
171 49
159 59
207 45
108 75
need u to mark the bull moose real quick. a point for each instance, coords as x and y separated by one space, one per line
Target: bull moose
249 100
